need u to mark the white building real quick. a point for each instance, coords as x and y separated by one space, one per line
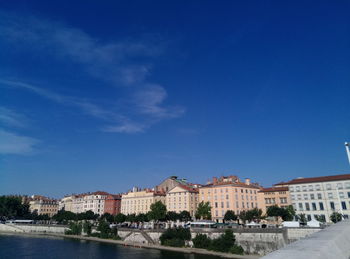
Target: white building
89 201
320 196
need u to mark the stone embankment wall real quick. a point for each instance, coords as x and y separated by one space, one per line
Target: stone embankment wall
21 228
254 241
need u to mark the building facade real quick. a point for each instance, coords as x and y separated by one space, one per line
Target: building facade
112 204
319 197
137 201
229 193
182 197
169 184
66 203
43 205
273 196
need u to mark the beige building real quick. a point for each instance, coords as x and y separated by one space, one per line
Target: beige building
66 203
182 197
229 193
273 196
170 183
137 201
43 205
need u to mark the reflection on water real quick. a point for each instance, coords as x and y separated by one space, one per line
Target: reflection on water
12 246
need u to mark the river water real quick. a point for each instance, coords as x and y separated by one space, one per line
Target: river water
16 246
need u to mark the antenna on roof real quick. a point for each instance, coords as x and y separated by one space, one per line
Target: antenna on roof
347 150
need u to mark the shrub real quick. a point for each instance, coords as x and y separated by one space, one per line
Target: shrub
201 241
224 242
236 249
173 236
74 229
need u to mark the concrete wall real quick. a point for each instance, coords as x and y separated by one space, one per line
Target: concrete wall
253 241
32 228
332 242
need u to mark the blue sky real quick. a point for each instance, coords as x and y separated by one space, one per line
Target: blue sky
109 95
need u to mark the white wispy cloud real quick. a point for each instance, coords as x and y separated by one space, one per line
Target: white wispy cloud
11 118
124 63
12 143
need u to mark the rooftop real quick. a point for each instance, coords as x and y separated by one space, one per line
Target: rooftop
330 178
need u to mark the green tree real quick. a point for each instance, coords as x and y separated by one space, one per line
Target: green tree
108 217
230 215
63 216
203 210
158 211
201 241
75 228
285 213
175 237
172 216
87 228
120 218
250 215
224 242
131 218
336 217
141 218
185 215
103 227
12 207
302 218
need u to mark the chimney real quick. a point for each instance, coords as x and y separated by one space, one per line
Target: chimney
215 180
247 181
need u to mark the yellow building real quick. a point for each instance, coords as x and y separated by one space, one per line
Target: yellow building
137 201
182 198
229 193
43 205
274 196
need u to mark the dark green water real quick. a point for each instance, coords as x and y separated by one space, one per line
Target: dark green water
13 246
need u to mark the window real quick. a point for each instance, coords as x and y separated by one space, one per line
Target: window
312 196
308 217
343 205
348 194
305 196
341 195
301 206
330 195
226 196
339 185
291 189
329 186
299 196
297 188
332 205
321 205
311 188
307 206
319 196
216 204
304 188
318 187
314 206
347 185
227 204
222 204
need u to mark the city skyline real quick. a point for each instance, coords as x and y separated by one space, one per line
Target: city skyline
127 94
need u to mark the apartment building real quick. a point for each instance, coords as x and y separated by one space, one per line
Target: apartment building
229 193
182 197
277 195
112 204
321 196
139 201
66 203
43 205
88 201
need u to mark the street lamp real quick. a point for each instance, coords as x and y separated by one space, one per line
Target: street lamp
347 144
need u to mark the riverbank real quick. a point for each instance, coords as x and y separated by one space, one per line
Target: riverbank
139 245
